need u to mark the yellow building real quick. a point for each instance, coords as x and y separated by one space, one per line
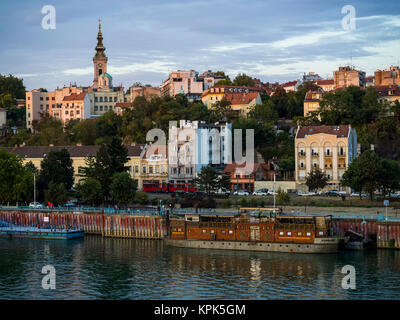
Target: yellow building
328 148
242 99
154 167
311 101
78 155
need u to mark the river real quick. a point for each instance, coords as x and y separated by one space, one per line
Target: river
104 268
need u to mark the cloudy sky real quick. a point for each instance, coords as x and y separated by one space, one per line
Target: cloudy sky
145 40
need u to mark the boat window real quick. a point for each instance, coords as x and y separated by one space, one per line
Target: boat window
204 231
179 229
212 231
289 233
321 233
299 233
281 233
308 234
230 231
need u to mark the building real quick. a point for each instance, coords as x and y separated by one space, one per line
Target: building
389 93
234 94
326 84
387 77
311 77
182 82
102 95
193 145
370 81
311 101
328 148
348 76
147 92
3 118
291 85
154 166
74 106
78 156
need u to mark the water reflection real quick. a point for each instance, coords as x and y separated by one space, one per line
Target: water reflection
107 268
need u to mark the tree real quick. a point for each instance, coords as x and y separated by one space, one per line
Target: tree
107 126
316 180
363 173
123 187
389 176
56 194
90 191
16 181
207 179
280 100
243 80
282 197
12 85
85 132
142 197
56 167
118 154
264 112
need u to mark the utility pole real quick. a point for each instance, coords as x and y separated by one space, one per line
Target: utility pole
34 188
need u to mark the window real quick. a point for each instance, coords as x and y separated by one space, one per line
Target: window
230 231
137 169
308 234
281 233
115 99
95 99
144 169
150 169
105 99
299 233
101 99
204 231
105 108
101 108
289 233
321 233
211 231
96 108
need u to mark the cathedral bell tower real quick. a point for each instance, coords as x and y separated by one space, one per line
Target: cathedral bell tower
99 59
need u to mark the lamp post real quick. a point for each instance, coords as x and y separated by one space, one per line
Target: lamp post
274 189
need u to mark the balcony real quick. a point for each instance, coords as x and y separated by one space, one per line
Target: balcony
302 154
315 154
341 154
329 155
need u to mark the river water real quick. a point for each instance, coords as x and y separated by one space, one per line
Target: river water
103 268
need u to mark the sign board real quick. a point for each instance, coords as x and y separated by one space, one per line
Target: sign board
386 203
46 219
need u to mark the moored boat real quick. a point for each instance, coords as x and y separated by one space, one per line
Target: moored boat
266 230
11 232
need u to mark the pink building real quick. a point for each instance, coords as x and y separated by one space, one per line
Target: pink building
184 82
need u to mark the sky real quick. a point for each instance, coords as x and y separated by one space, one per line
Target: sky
145 40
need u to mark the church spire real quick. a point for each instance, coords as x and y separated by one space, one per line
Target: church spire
100 48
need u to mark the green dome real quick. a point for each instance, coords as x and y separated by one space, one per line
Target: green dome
106 75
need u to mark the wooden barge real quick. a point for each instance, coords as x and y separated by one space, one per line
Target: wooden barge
265 231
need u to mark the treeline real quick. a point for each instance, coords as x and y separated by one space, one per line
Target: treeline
104 179
376 120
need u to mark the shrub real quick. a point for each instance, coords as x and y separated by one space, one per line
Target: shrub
142 197
282 197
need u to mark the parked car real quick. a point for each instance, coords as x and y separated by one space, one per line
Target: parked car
303 194
241 193
332 193
36 205
261 192
357 194
271 192
223 191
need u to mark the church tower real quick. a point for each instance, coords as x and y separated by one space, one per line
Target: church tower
99 59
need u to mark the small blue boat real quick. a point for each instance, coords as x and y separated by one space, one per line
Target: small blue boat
10 232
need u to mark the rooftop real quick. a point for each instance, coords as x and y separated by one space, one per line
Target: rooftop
339 131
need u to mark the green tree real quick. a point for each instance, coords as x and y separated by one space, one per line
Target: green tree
90 191
264 112
389 176
363 173
123 187
282 197
142 197
316 180
56 167
118 154
243 80
85 132
15 180
56 193
207 180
